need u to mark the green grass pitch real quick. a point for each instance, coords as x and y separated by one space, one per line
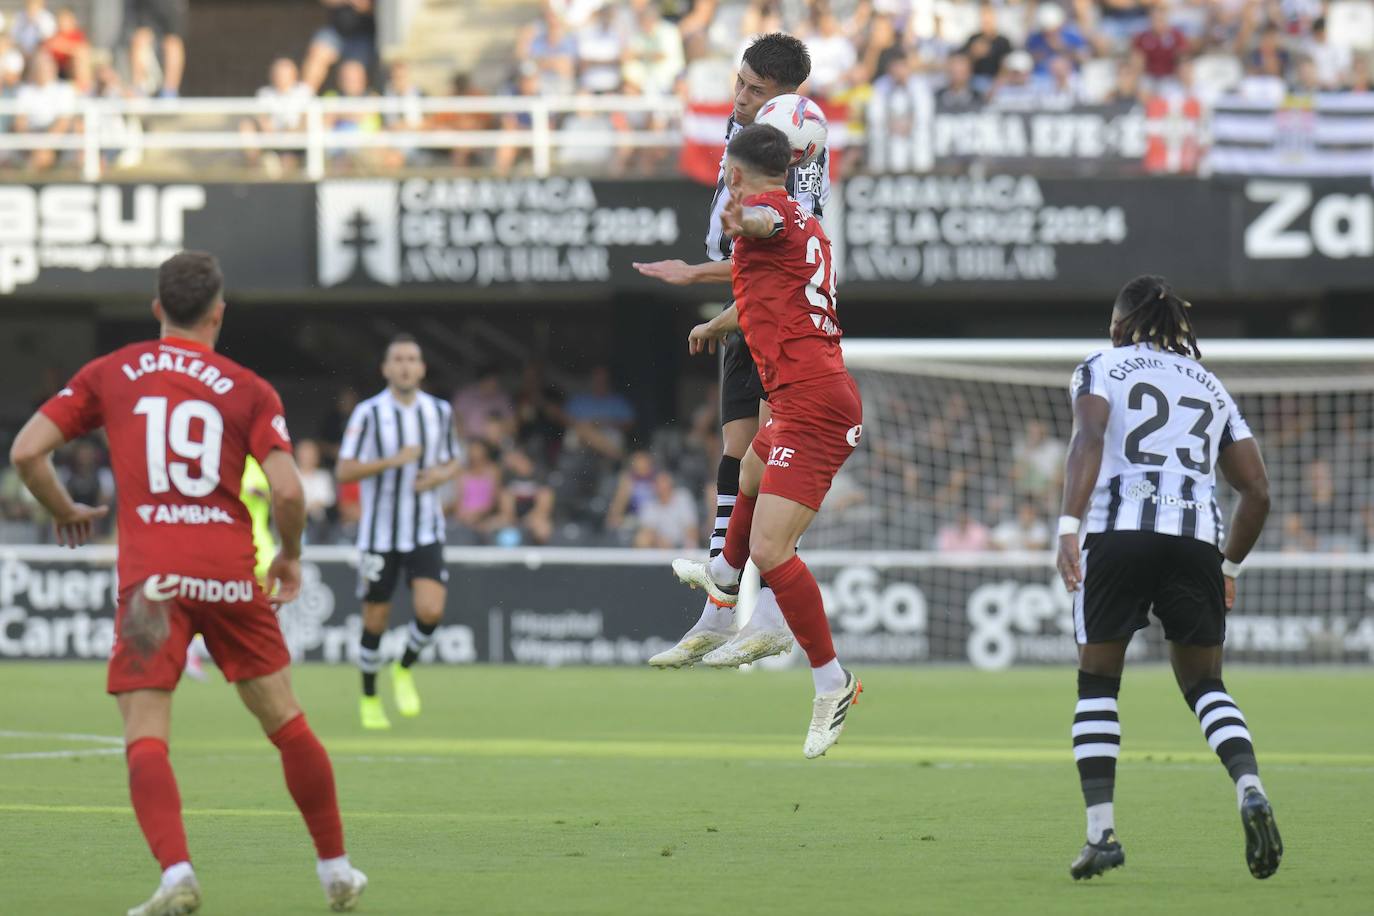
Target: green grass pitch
605 791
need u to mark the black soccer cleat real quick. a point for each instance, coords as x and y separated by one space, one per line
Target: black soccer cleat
1098 857
1263 845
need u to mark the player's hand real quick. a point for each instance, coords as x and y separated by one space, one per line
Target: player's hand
732 217
77 526
1230 591
703 339
429 478
676 272
406 456
283 580
1069 563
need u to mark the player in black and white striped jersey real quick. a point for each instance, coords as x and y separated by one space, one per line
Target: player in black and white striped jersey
401 444
1151 428
773 65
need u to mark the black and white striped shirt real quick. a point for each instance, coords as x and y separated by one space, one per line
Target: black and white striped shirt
1170 419
809 186
395 517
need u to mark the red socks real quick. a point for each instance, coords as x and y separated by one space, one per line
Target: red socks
799 598
736 550
156 801
310 780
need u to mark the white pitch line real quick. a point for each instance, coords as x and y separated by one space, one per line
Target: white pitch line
112 745
59 755
65 736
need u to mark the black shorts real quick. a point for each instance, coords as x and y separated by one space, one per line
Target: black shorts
165 17
1129 573
379 572
740 387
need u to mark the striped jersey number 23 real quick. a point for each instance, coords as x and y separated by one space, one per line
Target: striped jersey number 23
1148 398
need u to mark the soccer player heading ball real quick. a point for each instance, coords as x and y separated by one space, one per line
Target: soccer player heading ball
181 421
784 286
1151 426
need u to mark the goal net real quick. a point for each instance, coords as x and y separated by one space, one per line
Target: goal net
943 521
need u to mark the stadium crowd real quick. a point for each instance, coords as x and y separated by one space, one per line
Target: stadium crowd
579 468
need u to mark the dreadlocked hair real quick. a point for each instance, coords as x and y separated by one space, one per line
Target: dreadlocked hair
1152 313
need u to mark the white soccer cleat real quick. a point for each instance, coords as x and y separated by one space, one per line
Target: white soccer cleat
179 899
749 646
690 648
344 888
828 714
696 574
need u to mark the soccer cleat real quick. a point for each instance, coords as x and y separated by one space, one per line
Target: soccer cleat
373 713
696 574
342 890
690 648
749 646
1098 857
1263 845
177 900
403 689
828 713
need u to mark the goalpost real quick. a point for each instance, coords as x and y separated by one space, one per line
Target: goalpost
943 520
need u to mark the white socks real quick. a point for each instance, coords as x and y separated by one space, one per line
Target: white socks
767 615
715 617
1247 781
176 874
1100 820
329 869
828 677
723 573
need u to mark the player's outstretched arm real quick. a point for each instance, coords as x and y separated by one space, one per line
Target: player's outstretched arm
680 273
350 469
1243 467
31 456
1090 414
288 510
752 222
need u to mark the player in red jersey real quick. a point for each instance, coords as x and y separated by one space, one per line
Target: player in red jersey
784 285
181 421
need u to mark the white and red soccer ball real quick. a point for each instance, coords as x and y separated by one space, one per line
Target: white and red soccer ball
801 120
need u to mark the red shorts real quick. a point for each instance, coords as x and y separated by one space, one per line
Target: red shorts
239 626
814 429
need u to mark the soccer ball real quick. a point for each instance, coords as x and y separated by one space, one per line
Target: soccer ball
803 122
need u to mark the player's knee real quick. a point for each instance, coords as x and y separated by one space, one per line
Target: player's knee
769 551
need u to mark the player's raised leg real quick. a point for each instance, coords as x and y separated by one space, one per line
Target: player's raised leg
1096 736
429 596
1198 671
309 779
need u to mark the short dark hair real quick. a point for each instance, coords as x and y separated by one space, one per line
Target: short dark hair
188 284
763 148
1150 312
404 337
779 57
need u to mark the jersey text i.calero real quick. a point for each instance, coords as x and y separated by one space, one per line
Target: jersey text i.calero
784 289
181 420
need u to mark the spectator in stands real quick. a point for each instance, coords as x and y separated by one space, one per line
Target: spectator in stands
654 57
1305 79
11 78
601 156
525 511
959 93
45 105
1015 88
900 102
69 44
464 156
539 415
669 518
574 13
1121 20
880 40
483 400
403 113
1269 57
987 48
319 488
286 97
1127 89
158 24
477 491
553 52
600 49
1057 37
525 84
352 80
601 416
1060 87
1024 531
89 480
1160 49
32 27
349 34
634 487
1360 79
1037 463
966 533
833 57
1333 62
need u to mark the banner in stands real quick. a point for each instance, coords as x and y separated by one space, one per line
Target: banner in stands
535 608
1321 135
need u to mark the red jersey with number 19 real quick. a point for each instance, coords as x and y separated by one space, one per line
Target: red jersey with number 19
181 420
784 288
